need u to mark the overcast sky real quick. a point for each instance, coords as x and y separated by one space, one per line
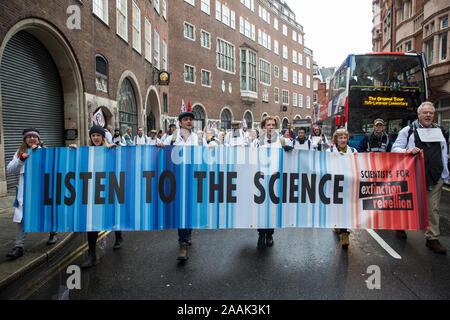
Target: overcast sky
334 28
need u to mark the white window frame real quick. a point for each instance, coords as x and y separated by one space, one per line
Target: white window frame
275 23
201 78
294 99
308 102
308 62
201 38
218 10
261 62
276 95
148 40
285 74
122 12
294 76
275 47
193 31
294 35
136 28
300 100
193 73
226 15
276 71
300 79
285 30
98 14
156 5
164 55
247 68
285 94
205 6
191 2
308 81
441 37
233 58
294 56
285 52
156 52
164 9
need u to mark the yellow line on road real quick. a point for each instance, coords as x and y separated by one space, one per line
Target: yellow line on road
78 252
446 188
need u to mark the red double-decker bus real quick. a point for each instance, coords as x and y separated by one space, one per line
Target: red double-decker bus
365 87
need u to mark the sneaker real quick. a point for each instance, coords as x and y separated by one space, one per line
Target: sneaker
183 253
89 262
52 239
15 253
435 246
118 244
345 240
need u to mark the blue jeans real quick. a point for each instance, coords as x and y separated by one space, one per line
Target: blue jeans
184 235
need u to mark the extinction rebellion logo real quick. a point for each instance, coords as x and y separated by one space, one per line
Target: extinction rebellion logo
386 195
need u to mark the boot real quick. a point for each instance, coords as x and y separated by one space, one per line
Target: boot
401 234
345 240
15 253
119 240
435 246
269 240
90 261
52 239
183 253
261 240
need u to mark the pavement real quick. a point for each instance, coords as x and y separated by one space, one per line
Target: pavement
36 250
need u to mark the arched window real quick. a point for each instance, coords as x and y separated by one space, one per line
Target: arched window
225 119
200 118
264 115
249 119
285 123
127 107
101 74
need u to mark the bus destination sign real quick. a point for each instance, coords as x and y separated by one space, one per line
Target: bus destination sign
385 101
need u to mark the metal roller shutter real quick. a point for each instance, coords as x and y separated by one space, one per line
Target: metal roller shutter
31 96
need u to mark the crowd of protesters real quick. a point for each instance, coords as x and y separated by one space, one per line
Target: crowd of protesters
408 141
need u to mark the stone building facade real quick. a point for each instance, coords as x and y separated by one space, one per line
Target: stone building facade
80 56
419 26
239 59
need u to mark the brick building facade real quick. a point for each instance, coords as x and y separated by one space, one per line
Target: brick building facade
418 26
106 55
238 59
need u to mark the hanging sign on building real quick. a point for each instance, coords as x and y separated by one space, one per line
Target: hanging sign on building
164 78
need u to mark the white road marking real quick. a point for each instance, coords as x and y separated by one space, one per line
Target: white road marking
383 244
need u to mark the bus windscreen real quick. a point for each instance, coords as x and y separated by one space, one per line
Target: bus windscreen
390 87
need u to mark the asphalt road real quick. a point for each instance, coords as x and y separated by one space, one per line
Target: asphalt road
225 264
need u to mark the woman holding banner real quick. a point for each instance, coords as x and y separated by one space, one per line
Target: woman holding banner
31 140
97 139
340 140
269 138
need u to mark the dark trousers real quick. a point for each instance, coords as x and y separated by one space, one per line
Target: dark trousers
92 240
266 231
184 235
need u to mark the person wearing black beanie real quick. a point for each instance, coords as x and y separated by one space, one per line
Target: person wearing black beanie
97 139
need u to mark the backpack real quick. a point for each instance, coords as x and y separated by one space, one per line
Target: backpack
412 128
